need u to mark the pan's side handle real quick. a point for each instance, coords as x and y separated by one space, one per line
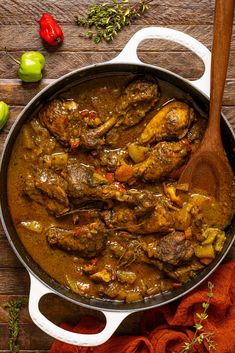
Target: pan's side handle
129 53
38 290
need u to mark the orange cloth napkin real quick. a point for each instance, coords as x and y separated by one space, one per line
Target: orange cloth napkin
165 329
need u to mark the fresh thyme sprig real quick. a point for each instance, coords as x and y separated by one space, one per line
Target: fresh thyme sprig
107 19
200 335
14 308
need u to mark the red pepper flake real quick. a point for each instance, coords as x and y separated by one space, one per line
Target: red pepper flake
50 31
176 284
109 177
84 113
74 143
94 262
98 171
92 115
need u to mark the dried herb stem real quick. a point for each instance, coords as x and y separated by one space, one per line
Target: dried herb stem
105 20
14 308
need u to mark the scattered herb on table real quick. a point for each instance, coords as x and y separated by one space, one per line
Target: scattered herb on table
107 19
14 308
4 113
200 335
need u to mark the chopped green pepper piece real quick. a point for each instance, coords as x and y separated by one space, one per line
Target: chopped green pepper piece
31 65
4 113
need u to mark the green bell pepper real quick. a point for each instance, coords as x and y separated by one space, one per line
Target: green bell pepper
31 65
4 113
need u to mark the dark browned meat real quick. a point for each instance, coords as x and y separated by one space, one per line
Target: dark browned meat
139 97
172 248
185 272
63 120
172 121
91 138
197 130
159 220
88 240
84 183
79 183
119 218
163 159
48 189
126 249
112 159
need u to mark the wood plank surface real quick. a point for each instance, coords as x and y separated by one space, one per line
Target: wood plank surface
164 12
79 42
18 33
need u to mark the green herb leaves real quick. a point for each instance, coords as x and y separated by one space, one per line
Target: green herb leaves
14 308
107 19
200 335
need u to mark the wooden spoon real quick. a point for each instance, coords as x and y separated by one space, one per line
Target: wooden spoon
208 169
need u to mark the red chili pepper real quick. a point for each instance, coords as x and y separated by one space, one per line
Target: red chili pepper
50 31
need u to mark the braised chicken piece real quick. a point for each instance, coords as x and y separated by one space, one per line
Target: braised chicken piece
172 248
126 249
184 273
158 220
171 121
88 240
86 183
136 153
48 189
162 160
64 120
79 183
139 97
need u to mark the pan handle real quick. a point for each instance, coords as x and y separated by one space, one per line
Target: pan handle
38 290
129 52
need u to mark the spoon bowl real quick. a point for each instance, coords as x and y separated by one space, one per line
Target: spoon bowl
208 169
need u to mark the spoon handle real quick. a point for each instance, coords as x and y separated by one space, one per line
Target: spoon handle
223 24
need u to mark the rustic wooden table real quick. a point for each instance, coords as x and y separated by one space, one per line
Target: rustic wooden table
18 33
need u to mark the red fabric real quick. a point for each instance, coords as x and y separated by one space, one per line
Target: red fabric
166 328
